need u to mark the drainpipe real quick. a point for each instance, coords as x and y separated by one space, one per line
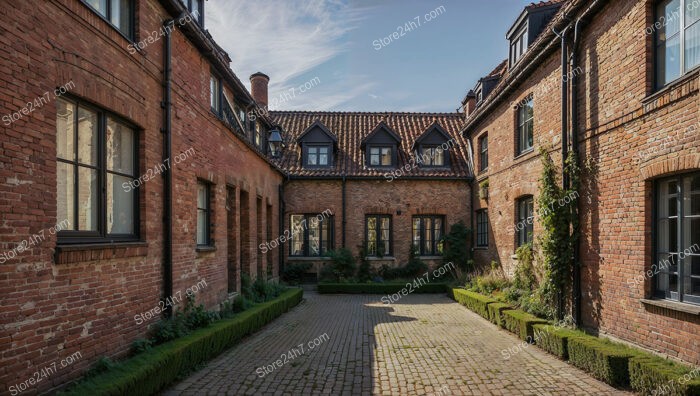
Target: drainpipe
344 210
281 205
576 290
168 26
564 132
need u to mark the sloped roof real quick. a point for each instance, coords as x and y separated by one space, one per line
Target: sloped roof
540 4
352 127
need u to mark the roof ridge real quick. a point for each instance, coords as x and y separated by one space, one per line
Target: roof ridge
403 113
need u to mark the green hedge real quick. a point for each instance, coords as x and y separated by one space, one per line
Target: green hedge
652 375
151 371
496 313
474 301
378 288
607 361
520 323
555 340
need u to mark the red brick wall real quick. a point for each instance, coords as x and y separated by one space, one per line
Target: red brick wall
618 120
84 300
363 197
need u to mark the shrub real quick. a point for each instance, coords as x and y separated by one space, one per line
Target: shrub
141 345
520 323
489 283
456 249
554 340
652 375
294 273
603 359
364 272
496 313
341 268
474 301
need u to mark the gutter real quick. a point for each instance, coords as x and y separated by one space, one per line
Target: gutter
369 178
344 223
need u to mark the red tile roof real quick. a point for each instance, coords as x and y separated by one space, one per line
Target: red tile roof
351 127
540 4
500 70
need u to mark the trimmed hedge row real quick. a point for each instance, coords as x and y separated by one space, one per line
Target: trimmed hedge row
474 301
378 288
652 375
149 372
615 364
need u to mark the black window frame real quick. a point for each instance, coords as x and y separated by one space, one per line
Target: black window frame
431 158
70 237
209 241
482 228
218 94
522 122
107 17
200 17
329 220
436 243
518 45
657 5
484 152
660 266
380 147
306 154
378 232
525 228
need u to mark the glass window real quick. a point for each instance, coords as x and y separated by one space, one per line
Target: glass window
525 126
203 214
311 235
482 228
118 12
484 153
380 156
518 47
678 238
83 134
432 156
318 156
378 235
215 94
677 39
427 235
526 219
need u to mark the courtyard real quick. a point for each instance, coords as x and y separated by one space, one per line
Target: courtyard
355 344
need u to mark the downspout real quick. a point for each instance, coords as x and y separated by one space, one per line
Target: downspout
281 206
168 26
576 290
564 134
344 210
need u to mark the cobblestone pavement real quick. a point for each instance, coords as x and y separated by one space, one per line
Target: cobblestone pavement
424 344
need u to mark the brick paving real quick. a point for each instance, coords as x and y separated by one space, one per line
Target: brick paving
424 344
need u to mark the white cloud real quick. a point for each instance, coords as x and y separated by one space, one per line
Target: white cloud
285 39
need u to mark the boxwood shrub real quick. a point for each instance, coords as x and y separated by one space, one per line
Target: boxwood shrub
379 288
652 375
151 371
474 301
496 313
607 361
555 340
520 323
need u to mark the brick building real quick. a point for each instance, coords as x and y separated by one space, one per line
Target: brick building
630 110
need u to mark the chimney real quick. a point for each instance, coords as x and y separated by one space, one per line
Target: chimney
469 103
258 88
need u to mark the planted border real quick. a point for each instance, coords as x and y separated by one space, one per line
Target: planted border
652 375
474 301
521 323
607 361
378 288
496 313
555 340
151 371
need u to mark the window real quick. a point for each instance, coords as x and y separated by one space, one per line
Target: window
427 234
203 214
97 182
484 153
120 13
518 47
479 96
677 39
677 228
196 8
215 94
432 156
311 235
482 228
378 235
258 135
380 156
526 219
525 126
318 156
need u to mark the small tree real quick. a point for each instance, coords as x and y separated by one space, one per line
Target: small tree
456 247
342 266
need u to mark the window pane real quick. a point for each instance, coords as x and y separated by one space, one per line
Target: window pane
201 227
438 235
87 136
325 235
87 199
120 206
99 5
691 232
120 148
323 159
65 130
439 157
314 234
214 93
372 236
121 15
202 196
374 157
416 233
385 236
386 156
669 15
427 232
297 231
65 198
692 46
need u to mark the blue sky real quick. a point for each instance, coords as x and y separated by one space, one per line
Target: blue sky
343 49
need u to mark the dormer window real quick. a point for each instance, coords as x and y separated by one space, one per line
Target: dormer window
479 96
432 156
196 8
381 147
318 155
380 156
318 144
518 46
433 147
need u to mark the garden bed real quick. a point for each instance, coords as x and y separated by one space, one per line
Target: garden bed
153 370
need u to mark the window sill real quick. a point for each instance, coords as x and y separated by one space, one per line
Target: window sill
376 258
431 257
205 249
671 85
481 248
524 153
307 258
75 253
673 305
